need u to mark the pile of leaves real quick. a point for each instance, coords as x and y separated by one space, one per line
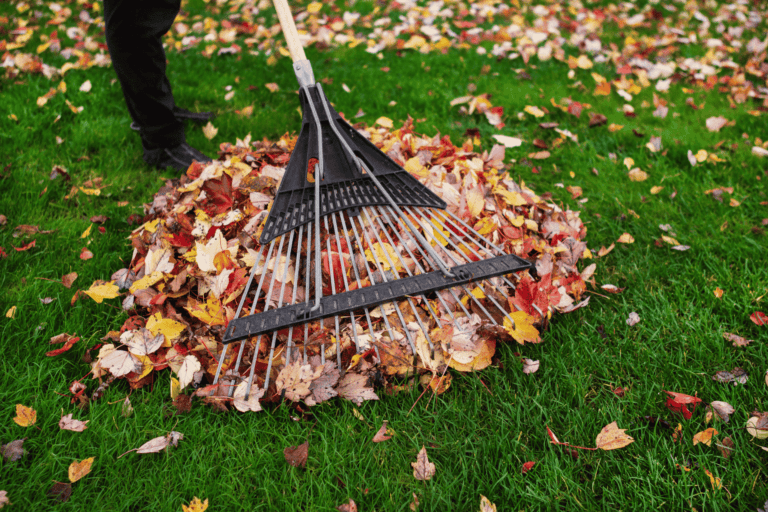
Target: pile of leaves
197 244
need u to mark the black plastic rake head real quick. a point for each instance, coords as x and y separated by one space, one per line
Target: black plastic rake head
335 145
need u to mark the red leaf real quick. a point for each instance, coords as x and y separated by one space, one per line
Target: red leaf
678 403
85 254
32 244
758 317
67 345
220 196
3 254
528 466
575 108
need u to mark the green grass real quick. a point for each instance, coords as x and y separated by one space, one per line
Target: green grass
480 432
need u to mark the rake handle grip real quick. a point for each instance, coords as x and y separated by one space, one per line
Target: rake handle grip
289 30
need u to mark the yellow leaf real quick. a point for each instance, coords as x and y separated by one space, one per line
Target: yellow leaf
583 62
210 312
717 291
534 111
379 249
25 416
655 190
151 226
716 484
146 281
99 292
521 327
705 436
510 197
414 167
670 240
612 438
600 79
475 202
629 162
385 122
11 313
485 226
626 238
168 327
701 156
603 89
78 470
90 191
210 131
615 127
86 232
734 203
517 221
314 7
175 388
486 505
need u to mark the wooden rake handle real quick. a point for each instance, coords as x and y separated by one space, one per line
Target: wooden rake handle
289 30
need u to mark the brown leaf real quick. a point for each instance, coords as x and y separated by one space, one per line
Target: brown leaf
354 388
78 470
183 404
415 503
296 456
381 435
67 423
612 437
14 450
725 447
61 491
294 380
422 468
347 507
597 120
723 410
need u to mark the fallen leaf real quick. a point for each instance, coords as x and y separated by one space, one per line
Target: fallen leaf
626 238
187 371
85 254
296 456
715 123
716 484
521 327
273 87
353 387
534 111
160 443
530 366
757 426
527 466
61 491
636 174
612 437
350 506
78 470
717 291
422 468
25 416
509 142
195 505
4 499
722 409
633 319
67 423
210 131
486 505
705 436
121 362
14 450
385 122
100 291
759 318
726 447
381 435
678 402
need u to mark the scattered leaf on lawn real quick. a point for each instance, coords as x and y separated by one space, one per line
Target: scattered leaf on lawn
530 366
210 131
11 313
100 291
612 438
67 423
61 491
722 409
381 435
25 416
725 447
354 388
678 402
160 443
527 466
626 238
14 450
509 142
633 319
78 470
296 456
705 436
759 318
350 506
522 329
717 291
738 341
486 505
637 175
715 123
757 426
422 468
4 499
85 254
195 505
716 484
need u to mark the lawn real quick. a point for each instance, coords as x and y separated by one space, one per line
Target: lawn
488 424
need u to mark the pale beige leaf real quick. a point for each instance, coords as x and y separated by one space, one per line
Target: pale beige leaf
120 363
612 438
422 468
187 371
354 388
626 238
67 423
210 131
486 505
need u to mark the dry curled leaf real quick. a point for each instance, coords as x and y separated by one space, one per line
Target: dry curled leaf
14 450
381 435
738 341
422 468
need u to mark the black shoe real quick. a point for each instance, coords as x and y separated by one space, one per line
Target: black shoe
181 114
179 157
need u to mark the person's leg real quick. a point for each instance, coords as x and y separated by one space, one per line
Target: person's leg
134 31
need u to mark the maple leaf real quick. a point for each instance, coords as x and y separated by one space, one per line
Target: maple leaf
295 379
353 387
210 131
14 450
252 404
69 342
100 290
381 435
195 505
521 327
678 402
527 466
120 363
612 437
486 505
25 416
78 470
422 468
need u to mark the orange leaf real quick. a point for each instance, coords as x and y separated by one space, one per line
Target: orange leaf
25 416
705 436
78 470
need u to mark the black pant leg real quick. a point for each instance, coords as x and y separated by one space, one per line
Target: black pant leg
134 31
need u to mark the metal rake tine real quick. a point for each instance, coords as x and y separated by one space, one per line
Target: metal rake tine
279 304
418 266
504 278
308 276
333 290
370 276
346 286
289 343
357 278
237 314
408 271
